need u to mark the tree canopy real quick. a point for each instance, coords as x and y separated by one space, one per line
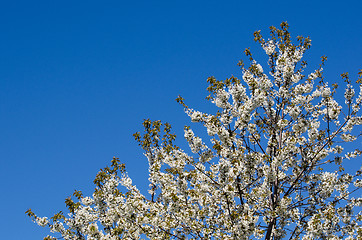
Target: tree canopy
273 168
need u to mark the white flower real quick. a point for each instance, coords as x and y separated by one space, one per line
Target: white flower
269 47
326 92
42 221
221 99
348 137
294 112
358 183
127 182
238 93
87 201
196 116
349 94
93 229
259 68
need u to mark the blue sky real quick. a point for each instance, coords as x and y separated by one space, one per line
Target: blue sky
77 78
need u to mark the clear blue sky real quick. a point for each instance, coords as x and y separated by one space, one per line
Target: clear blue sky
78 77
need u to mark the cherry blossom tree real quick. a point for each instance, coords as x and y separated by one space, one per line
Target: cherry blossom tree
273 166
